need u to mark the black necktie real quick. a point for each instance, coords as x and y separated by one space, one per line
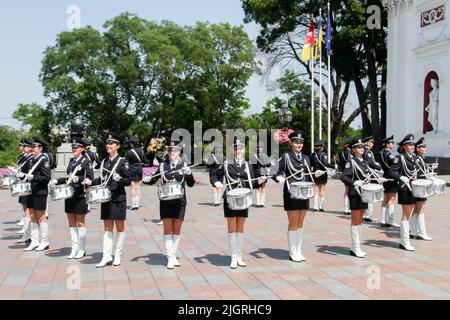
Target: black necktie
298 157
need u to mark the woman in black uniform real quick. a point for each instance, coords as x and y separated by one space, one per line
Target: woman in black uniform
344 157
387 159
136 158
319 162
215 162
22 167
172 212
417 222
115 173
238 174
76 208
294 162
356 174
261 168
403 171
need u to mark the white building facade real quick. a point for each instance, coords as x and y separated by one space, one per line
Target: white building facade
418 82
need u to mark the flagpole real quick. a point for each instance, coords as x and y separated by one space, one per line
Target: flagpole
320 81
312 100
329 93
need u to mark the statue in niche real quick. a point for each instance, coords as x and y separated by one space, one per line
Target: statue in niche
433 106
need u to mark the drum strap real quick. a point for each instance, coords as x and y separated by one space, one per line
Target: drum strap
229 179
163 174
101 170
409 173
292 171
247 170
357 169
383 159
321 163
113 171
36 165
137 156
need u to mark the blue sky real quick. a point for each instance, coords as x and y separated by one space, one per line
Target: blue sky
28 27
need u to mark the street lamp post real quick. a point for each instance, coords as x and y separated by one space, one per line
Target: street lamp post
285 115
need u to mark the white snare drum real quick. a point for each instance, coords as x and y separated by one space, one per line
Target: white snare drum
170 191
438 186
21 189
302 190
61 192
98 194
8 181
422 188
371 193
239 199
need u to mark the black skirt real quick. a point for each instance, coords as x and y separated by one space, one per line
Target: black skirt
228 213
77 206
23 200
323 179
293 204
406 197
136 173
172 210
38 203
390 187
356 203
114 211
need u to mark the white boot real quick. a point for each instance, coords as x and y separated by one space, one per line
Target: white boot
321 202
138 202
21 222
232 242
240 241
404 236
359 228
263 199
73 242
346 205
81 243
107 250
368 215
27 227
356 249
384 216
176 242
413 226
168 243
391 216
119 249
299 244
316 202
34 237
258 199
43 230
292 243
422 229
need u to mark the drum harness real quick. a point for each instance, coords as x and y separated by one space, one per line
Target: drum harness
328 170
231 181
166 180
362 175
262 164
111 173
410 174
35 166
293 172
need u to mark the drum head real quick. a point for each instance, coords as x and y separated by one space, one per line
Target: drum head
239 192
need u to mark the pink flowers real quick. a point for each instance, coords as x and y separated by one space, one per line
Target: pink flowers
149 171
5 172
282 135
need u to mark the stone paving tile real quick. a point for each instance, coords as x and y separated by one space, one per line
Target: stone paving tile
328 273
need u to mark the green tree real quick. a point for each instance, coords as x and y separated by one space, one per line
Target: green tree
9 141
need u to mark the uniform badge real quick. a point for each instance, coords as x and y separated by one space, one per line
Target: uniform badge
47 164
347 165
396 160
127 166
391 156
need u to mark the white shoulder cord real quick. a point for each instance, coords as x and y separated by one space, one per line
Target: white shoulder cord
247 169
137 156
410 174
382 158
291 168
357 169
163 174
101 170
229 179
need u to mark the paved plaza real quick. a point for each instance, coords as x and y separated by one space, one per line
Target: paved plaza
329 272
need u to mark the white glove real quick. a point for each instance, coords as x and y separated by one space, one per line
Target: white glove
262 179
281 179
379 172
53 182
74 179
358 183
319 173
20 175
29 177
117 177
187 171
382 180
87 182
404 179
147 179
218 185
155 163
336 166
434 166
13 170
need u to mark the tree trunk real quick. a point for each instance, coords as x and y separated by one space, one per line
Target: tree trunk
373 89
383 105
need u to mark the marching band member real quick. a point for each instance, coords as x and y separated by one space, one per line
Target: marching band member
25 154
238 174
214 163
261 168
115 174
344 157
49 156
417 222
136 158
356 173
319 162
76 208
172 212
388 158
297 167
403 171
39 176
90 155
370 159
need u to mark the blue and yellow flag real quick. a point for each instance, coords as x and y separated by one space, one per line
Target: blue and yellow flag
318 52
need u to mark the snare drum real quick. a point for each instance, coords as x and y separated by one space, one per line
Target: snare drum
61 192
8 181
21 189
302 190
171 190
371 193
422 188
438 186
98 194
239 199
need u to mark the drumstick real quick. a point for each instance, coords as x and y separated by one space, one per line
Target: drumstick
193 166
